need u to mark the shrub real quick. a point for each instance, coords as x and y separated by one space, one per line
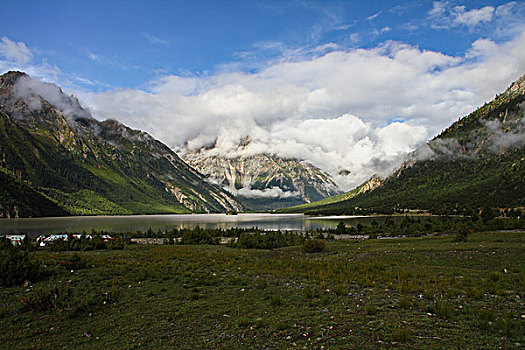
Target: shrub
340 289
483 319
74 262
370 309
461 234
405 303
64 298
261 284
269 240
313 246
276 300
401 334
116 244
442 309
41 300
309 293
16 267
341 228
475 293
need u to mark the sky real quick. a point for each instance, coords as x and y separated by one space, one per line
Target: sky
349 86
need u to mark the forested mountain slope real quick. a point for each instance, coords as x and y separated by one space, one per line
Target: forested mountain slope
479 161
56 159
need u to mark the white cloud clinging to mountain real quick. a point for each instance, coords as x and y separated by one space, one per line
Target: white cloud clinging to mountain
360 110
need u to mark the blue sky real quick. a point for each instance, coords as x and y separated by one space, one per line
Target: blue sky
345 85
128 43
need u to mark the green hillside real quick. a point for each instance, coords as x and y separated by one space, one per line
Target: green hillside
74 164
372 183
479 161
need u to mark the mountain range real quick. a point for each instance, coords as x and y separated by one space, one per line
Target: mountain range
56 159
477 162
263 181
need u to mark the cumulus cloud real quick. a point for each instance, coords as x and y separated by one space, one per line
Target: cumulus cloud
473 17
356 111
507 17
15 51
16 56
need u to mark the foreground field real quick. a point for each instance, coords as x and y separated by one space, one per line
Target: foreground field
417 293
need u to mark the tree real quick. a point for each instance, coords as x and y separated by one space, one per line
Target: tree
341 228
487 214
462 233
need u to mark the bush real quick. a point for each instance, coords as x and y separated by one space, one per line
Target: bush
341 228
442 309
116 244
269 240
41 300
16 267
370 309
405 303
74 262
401 334
276 300
64 298
314 246
462 233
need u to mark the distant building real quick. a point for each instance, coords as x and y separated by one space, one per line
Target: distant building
16 239
227 240
150 240
43 241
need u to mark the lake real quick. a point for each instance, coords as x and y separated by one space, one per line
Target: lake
36 226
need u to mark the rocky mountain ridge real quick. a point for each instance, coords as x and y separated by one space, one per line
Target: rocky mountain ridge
51 147
264 176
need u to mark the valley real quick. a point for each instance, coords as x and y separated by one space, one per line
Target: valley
409 293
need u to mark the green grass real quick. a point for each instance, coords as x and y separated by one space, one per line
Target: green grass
417 293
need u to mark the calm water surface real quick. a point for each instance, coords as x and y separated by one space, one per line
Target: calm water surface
36 226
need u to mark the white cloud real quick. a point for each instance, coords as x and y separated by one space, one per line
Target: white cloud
384 30
94 57
15 51
505 20
354 38
274 192
155 40
510 19
29 89
44 71
374 16
473 17
333 110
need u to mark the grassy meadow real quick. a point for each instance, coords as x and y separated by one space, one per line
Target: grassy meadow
409 293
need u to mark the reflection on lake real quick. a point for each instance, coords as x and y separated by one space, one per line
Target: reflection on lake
36 226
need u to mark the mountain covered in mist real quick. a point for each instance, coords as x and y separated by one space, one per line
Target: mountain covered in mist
55 159
263 181
478 162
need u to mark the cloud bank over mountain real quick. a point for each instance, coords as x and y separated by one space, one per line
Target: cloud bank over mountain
355 112
352 98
